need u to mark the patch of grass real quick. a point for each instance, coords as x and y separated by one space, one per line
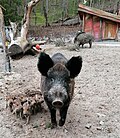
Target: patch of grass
38 19
35 126
48 125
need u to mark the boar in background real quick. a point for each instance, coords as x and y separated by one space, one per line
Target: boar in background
82 38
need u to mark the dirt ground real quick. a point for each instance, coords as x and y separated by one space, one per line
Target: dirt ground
95 109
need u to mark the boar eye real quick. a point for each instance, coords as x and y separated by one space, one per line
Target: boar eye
66 80
52 80
60 94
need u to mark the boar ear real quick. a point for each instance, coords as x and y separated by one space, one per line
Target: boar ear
74 65
44 63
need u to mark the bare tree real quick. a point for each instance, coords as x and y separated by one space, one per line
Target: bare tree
19 45
46 16
117 9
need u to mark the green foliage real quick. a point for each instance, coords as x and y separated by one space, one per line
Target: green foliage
13 10
37 19
57 9
48 125
73 5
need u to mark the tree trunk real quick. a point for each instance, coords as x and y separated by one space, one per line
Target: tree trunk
20 45
46 16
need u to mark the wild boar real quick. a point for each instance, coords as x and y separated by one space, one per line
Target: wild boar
57 82
27 111
17 108
39 100
82 38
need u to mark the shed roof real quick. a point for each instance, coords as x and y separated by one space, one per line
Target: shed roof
99 13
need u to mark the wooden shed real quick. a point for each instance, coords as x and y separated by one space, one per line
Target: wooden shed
103 25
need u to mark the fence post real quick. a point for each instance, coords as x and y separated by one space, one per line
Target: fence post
5 46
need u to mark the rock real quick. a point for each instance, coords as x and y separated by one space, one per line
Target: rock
65 130
35 126
1 84
8 83
99 128
72 21
101 123
2 91
100 115
109 130
79 92
1 98
88 126
20 83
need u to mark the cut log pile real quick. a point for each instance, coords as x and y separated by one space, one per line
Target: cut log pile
23 106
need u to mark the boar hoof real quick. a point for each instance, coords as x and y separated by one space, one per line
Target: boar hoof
53 125
61 122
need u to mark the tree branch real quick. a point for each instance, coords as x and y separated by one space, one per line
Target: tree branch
26 19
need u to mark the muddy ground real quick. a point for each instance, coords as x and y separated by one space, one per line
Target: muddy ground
95 109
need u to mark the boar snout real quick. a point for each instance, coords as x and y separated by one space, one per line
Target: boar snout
57 103
25 115
25 112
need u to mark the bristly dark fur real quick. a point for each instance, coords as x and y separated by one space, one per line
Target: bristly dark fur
57 83
74 65
45 62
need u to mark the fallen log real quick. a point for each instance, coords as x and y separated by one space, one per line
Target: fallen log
17 50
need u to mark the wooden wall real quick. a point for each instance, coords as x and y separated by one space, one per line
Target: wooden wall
101 28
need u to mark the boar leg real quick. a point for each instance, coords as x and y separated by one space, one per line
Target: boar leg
63 114
28 120
53 117
90 43
77 46
82 45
